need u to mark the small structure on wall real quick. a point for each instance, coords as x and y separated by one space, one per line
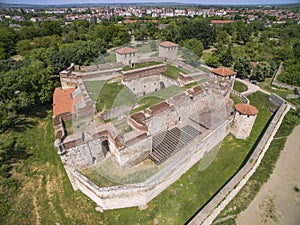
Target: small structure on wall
168 49
243 120
126 55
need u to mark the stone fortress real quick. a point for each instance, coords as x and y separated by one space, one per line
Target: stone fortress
173 134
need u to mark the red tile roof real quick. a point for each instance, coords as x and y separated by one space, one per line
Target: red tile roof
246 109
125 50
254 64
223 71
221 21
62 101
168 44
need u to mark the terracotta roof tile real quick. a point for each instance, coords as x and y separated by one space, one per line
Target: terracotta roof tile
62 101
126 50
246 109
221 21
168 44
254 64
223 71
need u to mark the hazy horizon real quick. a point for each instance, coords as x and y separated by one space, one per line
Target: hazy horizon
201 2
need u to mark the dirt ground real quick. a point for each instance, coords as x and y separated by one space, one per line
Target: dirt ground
278 201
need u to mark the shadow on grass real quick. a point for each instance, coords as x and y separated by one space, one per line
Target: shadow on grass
29 117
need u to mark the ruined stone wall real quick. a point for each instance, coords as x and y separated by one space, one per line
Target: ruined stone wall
135 153
146 85
140 194
143 72
68 81
162 121
80 157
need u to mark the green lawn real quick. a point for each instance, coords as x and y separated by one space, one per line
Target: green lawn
167 92
93 88
146 102
239 86
173 71
114 95
54 201
141 65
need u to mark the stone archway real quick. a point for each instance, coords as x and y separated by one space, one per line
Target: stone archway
105 147
162 85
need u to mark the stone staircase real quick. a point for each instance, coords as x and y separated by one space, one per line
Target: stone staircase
169 142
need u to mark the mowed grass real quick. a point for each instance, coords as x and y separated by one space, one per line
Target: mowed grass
141 65
93 88
146 102
173 71
46 196
239 86
114 95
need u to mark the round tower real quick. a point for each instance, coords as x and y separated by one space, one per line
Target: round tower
243 120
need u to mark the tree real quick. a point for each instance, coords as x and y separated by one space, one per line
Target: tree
199 29
190 57
195 46
213 61
243 66
261 71
227 58
296 49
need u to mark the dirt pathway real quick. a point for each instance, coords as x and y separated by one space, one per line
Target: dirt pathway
278 201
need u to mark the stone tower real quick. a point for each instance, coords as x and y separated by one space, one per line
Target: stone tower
168 49
126 55
243 120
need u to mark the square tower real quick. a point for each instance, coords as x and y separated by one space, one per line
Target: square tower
168 49
126 55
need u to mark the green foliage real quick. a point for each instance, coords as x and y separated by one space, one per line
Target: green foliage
213 61
8 40
261 71
243 66
194 45
291 74
227 58
199 29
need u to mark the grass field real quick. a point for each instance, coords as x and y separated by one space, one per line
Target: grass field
114 95
239 86
45 196
93 88
146 102
141 65
173 71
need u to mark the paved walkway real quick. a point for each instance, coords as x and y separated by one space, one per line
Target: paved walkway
251 87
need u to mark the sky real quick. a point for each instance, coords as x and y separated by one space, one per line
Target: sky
210 2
